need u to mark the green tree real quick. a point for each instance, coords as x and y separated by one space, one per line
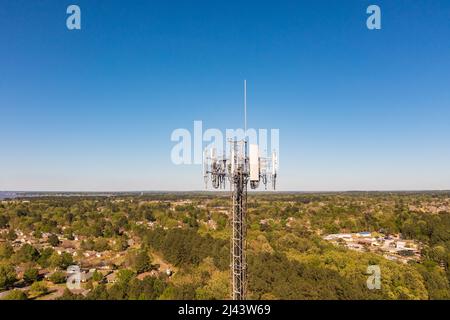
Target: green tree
62 260
124 276
68 295
58 277
27 253
7 275
100 292
6 250
438 254
101 245
216 288
97 276
3 221
44 257
16 295
38 288
31 275
435 280
142 262
53 240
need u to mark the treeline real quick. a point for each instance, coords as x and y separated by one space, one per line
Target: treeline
127 287
288 226
273 276
287 258
186 247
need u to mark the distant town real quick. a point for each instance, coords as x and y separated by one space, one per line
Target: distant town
392 247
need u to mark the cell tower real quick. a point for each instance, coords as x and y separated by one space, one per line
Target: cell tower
243 165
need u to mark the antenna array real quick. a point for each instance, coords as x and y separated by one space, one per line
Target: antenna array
242 166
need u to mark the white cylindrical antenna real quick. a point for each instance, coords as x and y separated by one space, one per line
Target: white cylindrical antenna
233 161
274 163
203 162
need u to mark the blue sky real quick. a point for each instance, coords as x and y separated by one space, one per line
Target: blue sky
93 109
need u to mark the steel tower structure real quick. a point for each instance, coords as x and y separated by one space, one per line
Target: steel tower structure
239 168
238 243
